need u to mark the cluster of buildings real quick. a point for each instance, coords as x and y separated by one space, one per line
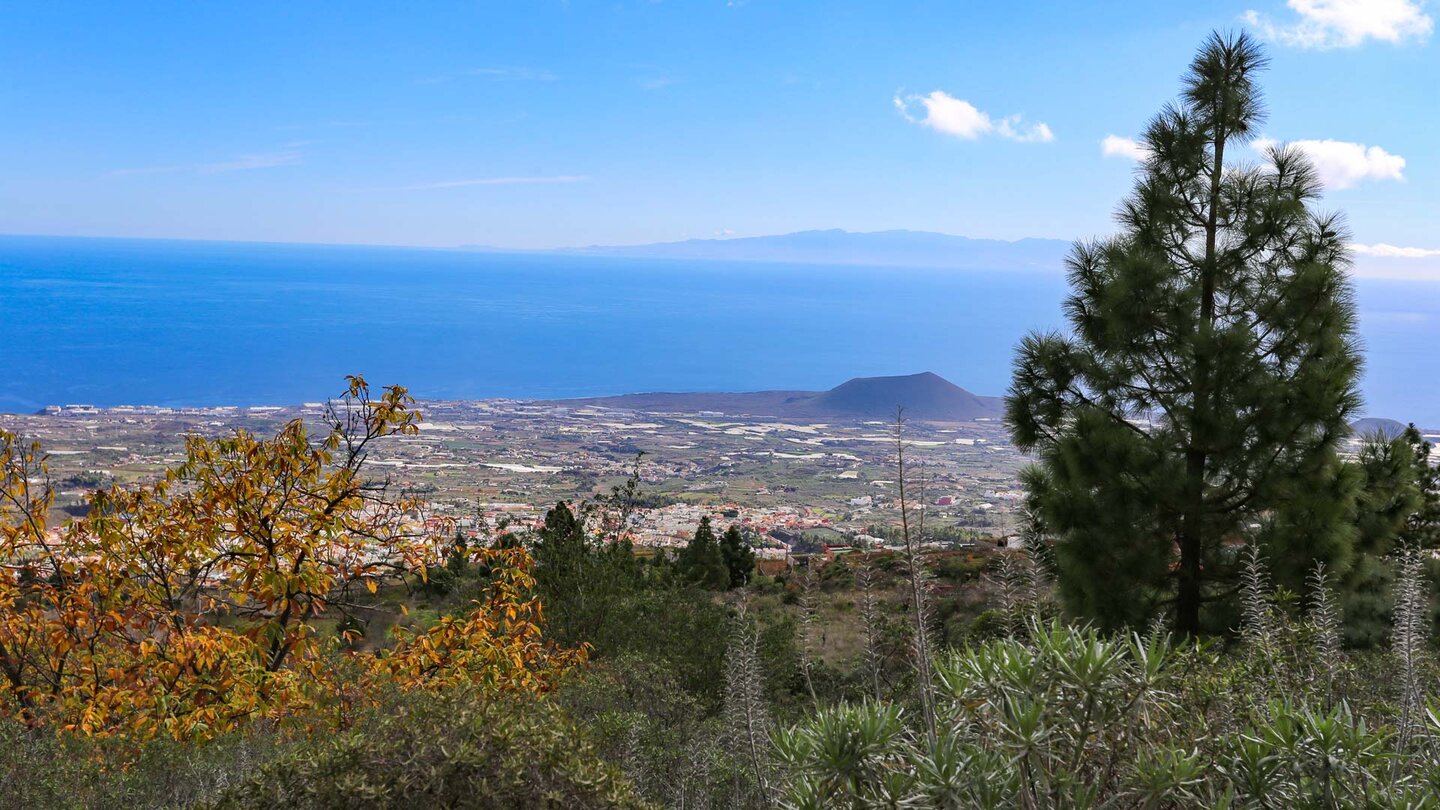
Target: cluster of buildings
484 465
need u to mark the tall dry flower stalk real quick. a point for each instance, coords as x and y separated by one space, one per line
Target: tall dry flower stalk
632 761
692 790
809 622
913 536
1257 626
1411 631
870 622
1325 628
1022 585
746 716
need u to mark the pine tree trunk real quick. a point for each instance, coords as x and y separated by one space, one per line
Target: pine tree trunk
1192 528
1187 590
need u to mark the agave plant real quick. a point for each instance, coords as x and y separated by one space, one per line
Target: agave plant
848 756
1067 709
1057 720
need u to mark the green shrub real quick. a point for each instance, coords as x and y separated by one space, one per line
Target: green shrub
42 770
990 624
456 751
960 567
764 585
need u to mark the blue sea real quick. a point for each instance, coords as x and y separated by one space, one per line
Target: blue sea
114 321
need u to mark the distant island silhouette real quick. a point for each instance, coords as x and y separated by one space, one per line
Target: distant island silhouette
897 248
926 396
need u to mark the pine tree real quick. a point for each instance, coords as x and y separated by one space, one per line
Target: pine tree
739 558
581 579
1422 529
700 561
562 559
1390 473
457 562
1208 374
560 549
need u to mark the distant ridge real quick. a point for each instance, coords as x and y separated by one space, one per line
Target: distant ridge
926 397
919 249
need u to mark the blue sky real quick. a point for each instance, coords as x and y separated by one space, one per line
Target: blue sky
542 123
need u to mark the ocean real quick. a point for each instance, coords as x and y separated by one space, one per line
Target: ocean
117 321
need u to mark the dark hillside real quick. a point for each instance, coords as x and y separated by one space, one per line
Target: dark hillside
926 396
1389 428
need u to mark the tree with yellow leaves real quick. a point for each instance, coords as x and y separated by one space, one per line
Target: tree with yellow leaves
190 605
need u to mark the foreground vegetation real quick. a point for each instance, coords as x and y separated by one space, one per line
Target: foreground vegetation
818 701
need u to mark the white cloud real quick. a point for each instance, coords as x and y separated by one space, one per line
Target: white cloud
1117 146
1381 260
953 116
1342 164
1346 23
497 181
1013 127
1394 252
947 114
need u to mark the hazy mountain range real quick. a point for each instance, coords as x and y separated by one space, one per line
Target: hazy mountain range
926 396
839 247
924 249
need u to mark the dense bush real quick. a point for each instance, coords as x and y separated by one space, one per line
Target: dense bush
459 750
42 770
643 719
961 567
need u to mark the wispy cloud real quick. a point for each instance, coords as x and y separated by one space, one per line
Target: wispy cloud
512 74
364 123
497 181
1382 260
959 118
658 83
1118 146
1342 164
333 124
1394 252
148 170
1345 23
260 160
247 162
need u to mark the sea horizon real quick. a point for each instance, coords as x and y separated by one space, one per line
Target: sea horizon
193 323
